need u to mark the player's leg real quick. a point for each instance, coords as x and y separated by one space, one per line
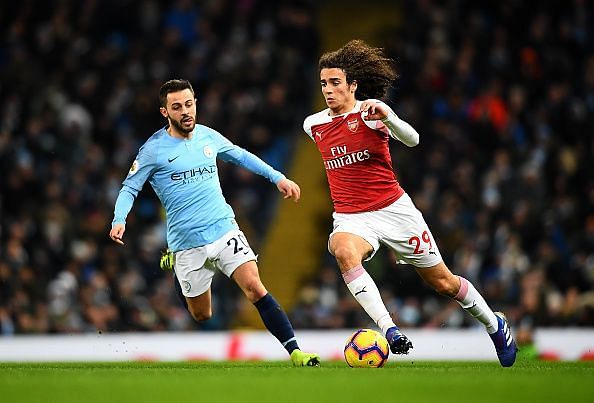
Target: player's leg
403 229
408 235
235 258
350 250
441 279
200 307
444 282
194 277
274 317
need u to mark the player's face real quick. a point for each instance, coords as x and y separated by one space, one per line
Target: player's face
339 95
181 111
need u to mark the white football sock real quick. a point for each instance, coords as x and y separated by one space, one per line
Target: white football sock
470 299
363 288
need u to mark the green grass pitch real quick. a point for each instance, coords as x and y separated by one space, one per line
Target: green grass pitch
405 381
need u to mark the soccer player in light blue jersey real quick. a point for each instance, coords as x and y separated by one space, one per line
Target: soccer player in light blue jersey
179 161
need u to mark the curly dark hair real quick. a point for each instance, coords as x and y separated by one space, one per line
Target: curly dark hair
369 66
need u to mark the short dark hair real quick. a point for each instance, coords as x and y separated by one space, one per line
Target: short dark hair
370 67
173 86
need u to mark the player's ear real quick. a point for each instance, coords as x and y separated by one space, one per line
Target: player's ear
353 86
163 112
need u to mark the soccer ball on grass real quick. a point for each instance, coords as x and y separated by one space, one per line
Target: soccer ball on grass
366 348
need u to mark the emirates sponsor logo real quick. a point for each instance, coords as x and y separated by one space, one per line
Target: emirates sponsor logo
347 159
353 125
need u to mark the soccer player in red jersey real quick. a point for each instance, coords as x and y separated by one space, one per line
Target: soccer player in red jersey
370 206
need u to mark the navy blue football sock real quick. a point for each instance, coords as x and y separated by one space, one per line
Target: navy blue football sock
277 322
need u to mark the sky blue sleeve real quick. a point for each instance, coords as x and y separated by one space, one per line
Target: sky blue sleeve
141 170
229 152
123 204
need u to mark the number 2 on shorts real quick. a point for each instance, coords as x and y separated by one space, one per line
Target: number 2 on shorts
236 246
417 242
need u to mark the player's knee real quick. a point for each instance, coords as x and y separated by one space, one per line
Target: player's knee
200 315
445 286
345 254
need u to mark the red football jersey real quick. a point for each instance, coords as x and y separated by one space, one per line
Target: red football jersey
357 160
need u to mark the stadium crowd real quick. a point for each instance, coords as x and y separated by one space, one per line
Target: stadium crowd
80 83
503 98
502 95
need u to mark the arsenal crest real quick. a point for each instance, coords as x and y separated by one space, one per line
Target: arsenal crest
353 125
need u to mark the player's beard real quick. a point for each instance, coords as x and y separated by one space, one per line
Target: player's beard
183 128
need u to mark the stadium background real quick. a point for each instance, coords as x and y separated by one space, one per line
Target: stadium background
502 95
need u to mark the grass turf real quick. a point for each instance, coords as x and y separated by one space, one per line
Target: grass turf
262 382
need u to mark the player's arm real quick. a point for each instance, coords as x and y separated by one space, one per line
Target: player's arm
375 110
141 169
123 205
229 152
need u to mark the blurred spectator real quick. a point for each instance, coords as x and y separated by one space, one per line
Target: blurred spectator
79 83
502 95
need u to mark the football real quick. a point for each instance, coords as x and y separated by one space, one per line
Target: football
366 348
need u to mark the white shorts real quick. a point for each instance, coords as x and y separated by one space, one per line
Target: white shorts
400 226
195 268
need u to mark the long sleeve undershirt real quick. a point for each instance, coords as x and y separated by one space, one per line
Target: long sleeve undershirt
401 130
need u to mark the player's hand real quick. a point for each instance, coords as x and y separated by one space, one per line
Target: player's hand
167 260
373 110
289 189
117 232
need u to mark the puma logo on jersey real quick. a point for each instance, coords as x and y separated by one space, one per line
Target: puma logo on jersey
318 135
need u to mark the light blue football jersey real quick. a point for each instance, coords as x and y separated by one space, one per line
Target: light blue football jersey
184 175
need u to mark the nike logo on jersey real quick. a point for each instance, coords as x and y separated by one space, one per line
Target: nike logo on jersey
362 290
172 159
